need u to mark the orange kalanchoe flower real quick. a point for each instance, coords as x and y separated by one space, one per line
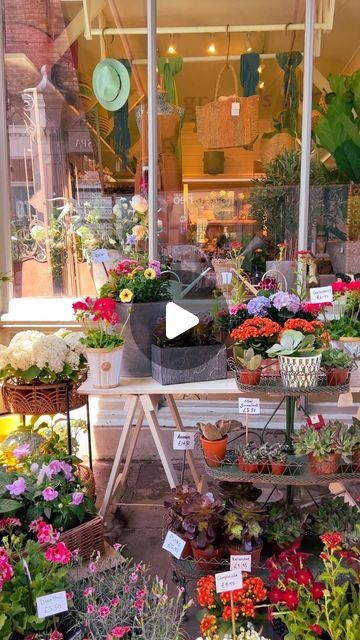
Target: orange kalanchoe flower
256 328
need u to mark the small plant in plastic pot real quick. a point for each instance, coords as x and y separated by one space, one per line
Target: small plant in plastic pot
104 347
278 458
243 530
214 439
337 365
299 358
249 366
322 446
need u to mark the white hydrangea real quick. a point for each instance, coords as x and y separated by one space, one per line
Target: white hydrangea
73 359
20 350
4 356
50 351
62 333
72 340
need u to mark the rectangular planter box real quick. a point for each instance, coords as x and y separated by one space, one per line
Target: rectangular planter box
177 365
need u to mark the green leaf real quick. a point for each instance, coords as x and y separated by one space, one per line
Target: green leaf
30 374
7 505
347 157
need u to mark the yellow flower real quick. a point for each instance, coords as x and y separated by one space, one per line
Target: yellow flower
150 274
126 295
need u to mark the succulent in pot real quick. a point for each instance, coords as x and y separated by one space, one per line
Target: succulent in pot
248 457
278 458
243 529
213 438
322 446
337 364
333 514
249 365
203 526
299 356
175 503
285 526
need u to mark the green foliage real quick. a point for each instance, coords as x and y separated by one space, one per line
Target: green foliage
143 290
336 359
333 514
247 359
294 343
333 437
98 339
344 327
285 524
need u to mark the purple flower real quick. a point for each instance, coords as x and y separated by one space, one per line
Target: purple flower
131 240
77 497
22 451
67 470
155 264
258 306
34 467
50 494
17 487
285 300
55 467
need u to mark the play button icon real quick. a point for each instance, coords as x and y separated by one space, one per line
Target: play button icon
178 320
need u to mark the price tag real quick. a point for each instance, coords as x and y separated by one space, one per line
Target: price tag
316 420
183 441
100 255
226 277
228 581
173 544
51 604
235 108
242 563
249 405
321 294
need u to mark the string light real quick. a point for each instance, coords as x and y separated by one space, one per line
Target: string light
212 46
172 47
260 68
248 45
262 84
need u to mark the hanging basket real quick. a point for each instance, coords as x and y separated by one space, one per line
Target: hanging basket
300 373
39 399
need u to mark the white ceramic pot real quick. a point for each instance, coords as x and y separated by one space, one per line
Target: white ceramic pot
105 365
301 372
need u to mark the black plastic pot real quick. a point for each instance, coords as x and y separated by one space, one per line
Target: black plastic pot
177 365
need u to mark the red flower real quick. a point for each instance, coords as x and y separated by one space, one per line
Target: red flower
235 245
332 540
80 306
290 574
317 590
304 577
276 595
315 629
291 599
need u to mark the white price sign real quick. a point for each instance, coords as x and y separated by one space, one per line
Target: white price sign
51 604
228 581
100 255
321 294
226 277
249 405
242 563
235 108
183 441
174 544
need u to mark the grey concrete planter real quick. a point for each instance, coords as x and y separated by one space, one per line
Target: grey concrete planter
136 361
177 365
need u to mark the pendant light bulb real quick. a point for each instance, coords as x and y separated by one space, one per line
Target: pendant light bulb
248 45
262 84
212 46
260 69
172 47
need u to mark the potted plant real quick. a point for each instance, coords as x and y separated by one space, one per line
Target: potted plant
203 526
249 371
194 356
322 447
333 514
278 458
243 530
285 526
337 365
214 439
140 288
256 333
104 347
41 373
299 358
175 503
248 457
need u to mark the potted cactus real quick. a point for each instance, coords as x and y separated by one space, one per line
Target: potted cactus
248 457
213 439
299 356
249 366
337 364
322 446
243 530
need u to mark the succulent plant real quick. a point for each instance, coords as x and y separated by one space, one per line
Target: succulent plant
244 527
278 452
285 524
266 452
333 514
333 437
294 343
249 452
336 359
247 359
218 430
203 521
179 496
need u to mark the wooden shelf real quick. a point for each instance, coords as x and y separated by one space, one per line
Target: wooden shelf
235 221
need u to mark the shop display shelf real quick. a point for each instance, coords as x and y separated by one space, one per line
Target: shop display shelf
273 384
186 568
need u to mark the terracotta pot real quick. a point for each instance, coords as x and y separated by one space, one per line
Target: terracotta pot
235 549
228 342
240 462
270 367
320 466
214 450
278 468
336 377
263 466
356 460
187 550
207 558
250 467
249 377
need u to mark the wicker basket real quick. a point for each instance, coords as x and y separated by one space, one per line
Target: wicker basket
86 477
271 147
39 399
86 537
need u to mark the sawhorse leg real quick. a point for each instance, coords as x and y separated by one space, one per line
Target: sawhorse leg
147 403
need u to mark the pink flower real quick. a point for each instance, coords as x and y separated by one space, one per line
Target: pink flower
119 632
138 604
17 487
77 498
22 451
88 592
59 554
50 494
103 612
115 602
117 546
9 522
69 595
126 588
92 567
133 577
56 635
140 593
90 608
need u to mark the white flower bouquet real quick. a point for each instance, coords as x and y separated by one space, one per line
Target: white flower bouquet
33 356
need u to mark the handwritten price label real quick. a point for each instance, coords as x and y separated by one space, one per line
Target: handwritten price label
173 544
226 277
316 420
100 255
249 405
183 441
228 581
321 294
51 604
242 563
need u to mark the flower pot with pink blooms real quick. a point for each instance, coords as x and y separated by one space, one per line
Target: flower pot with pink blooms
104 347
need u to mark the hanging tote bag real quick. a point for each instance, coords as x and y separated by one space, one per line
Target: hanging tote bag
228 122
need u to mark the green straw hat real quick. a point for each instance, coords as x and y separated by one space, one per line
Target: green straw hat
111 84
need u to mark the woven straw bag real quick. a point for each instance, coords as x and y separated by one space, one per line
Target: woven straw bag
217 128
271 147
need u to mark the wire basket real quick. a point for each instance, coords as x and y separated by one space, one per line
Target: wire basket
43 399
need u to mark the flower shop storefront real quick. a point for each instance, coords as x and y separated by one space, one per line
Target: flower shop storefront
179 320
